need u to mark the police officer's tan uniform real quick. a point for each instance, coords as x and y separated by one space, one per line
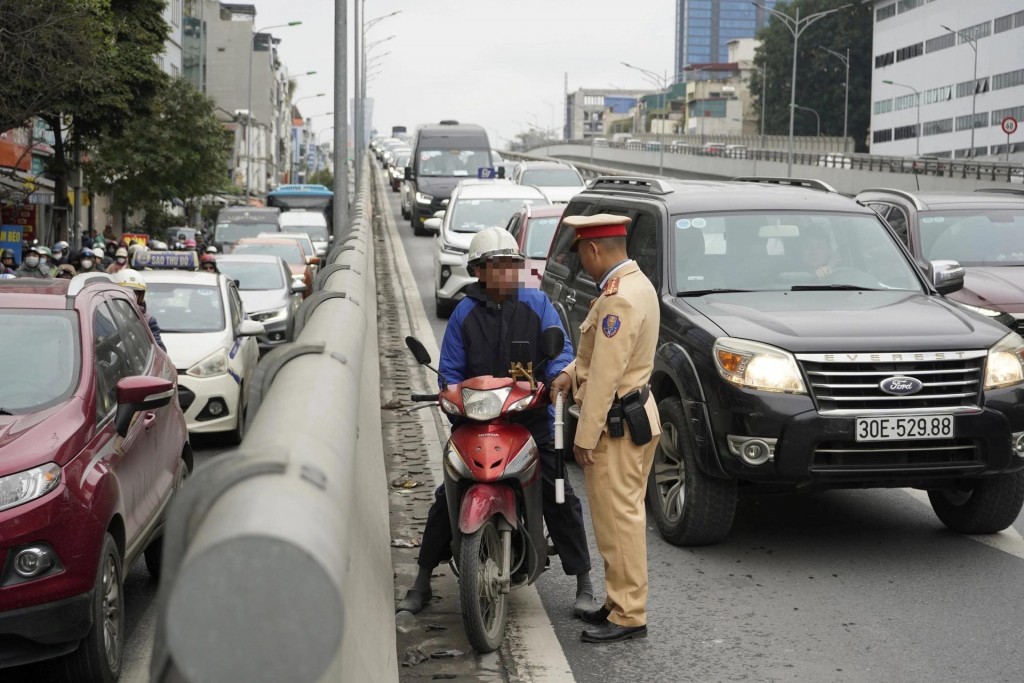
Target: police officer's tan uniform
616 356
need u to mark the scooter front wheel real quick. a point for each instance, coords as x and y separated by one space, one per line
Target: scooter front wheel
484 604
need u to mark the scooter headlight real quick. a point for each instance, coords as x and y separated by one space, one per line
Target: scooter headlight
484 405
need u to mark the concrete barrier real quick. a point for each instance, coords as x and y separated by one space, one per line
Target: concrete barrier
277 562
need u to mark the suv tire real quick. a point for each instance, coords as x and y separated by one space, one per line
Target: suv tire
689 507
101 652
989 507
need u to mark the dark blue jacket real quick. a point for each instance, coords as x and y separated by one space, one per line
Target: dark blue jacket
479 336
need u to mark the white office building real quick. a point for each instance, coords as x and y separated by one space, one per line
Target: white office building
170 59
939 92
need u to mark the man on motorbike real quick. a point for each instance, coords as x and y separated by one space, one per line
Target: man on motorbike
478 341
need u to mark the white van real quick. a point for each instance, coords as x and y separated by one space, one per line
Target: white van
313 223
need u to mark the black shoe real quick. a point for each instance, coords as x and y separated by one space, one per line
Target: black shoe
592 616
414 601
612 633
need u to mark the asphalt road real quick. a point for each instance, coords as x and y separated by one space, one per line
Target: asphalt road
837 586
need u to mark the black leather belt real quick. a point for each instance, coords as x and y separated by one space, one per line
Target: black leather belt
645 393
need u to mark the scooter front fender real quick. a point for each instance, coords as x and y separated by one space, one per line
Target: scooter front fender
483 501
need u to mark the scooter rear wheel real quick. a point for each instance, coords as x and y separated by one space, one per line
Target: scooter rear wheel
484 605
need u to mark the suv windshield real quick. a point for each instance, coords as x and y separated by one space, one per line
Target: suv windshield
538 236
289 253
473 215
987 237
252 276
551 177
185 308
787 251
453 162
52 375
232 232
315 232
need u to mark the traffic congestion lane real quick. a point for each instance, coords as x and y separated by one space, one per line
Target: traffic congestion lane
843 585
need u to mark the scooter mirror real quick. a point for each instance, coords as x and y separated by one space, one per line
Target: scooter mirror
418 350
552 341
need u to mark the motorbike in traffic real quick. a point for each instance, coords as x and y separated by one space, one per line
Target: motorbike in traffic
492 477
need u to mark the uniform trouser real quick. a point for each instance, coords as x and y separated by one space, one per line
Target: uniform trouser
616 484
564 521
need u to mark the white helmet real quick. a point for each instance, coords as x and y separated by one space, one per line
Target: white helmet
130 278
490 243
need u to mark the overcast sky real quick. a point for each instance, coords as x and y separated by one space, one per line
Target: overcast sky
498 63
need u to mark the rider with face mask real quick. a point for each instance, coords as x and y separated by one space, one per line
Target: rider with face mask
46 263
7 262
33 265
120 261
87 262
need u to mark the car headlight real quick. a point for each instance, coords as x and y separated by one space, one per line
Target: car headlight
274 316
984 311
758 366
20 488
424 198
211 366
1005 364
484 405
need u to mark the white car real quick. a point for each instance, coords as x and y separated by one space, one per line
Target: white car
474 205
559 182
211 342
312 223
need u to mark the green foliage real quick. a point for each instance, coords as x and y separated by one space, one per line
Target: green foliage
821 77
322 177
174 150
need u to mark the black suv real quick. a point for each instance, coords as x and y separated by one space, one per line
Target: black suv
801 348
983 231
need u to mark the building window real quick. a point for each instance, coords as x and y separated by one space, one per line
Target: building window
1009 79
999 150
883 106
966 152
968 88
175 71
964 122
937 127
887 12
882 135
904 132
940 43
907 5
943 94
976 32
999 115
885 60
175 12
905 102
909 52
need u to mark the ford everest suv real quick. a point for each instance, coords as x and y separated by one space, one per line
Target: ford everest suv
802 348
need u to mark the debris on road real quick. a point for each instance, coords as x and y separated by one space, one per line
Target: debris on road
405 542
405 482
414 656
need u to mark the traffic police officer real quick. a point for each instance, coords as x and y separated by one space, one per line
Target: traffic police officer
618 423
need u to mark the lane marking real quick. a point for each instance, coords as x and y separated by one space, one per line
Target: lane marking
537 656
1008 540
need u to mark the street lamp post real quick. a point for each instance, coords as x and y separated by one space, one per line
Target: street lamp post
764 94
361 50
845 59
248 127
973 42
796 26
662 83
917 96
816 116
295 103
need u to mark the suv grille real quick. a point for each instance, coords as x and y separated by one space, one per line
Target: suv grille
852 382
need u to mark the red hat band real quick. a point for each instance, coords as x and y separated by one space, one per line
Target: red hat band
594 232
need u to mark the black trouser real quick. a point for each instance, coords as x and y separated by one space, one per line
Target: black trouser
565 524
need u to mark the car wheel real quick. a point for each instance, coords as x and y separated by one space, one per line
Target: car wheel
689 507
235 436
443 307
989 506
405 213
417 227
99 655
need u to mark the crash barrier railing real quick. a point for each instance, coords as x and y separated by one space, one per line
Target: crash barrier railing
964 169
277 563
586 170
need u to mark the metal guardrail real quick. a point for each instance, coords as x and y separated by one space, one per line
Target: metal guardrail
258 581
588 171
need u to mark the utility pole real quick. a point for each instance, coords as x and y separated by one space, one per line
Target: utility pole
340 116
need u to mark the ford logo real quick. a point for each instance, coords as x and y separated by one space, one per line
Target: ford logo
901 386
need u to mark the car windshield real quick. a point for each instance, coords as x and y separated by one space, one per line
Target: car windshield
538 236
185 308
453 162
473 215
786 251
252 276
403 160
51 340
551 177
290 253
315 232
232 232
979 237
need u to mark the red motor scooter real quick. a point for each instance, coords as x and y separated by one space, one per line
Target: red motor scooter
492 480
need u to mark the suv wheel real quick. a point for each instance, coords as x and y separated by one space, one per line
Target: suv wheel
99 655
989 507
689 507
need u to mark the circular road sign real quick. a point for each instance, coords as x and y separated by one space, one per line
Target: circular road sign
1009 125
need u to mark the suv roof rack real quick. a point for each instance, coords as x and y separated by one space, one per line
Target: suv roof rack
630 183
808 183
909 196
80 282
1002 190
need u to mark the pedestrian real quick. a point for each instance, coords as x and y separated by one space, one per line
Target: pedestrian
478 341
133 280
33 265
120 261
618 425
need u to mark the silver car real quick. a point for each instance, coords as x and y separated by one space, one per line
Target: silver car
268 293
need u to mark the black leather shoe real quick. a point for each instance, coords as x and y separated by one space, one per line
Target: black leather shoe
414 601
612 633
593 616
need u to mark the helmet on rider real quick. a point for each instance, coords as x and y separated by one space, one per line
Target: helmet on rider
208 263
211 249
492 243
130 278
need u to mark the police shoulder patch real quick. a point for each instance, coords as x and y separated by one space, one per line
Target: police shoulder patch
610 325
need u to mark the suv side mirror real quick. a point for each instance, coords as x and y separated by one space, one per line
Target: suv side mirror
313 260
947 276
135 394
552 341
298 287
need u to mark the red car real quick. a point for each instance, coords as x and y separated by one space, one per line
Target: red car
93 447
533 227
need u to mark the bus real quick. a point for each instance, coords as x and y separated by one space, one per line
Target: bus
303 198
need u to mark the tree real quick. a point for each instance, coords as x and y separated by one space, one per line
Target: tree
322 177
821 77
176 150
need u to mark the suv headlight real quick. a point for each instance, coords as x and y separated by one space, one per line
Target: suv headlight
211 366
758 366
423 198
20 488
984 311
484 405
1005 364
